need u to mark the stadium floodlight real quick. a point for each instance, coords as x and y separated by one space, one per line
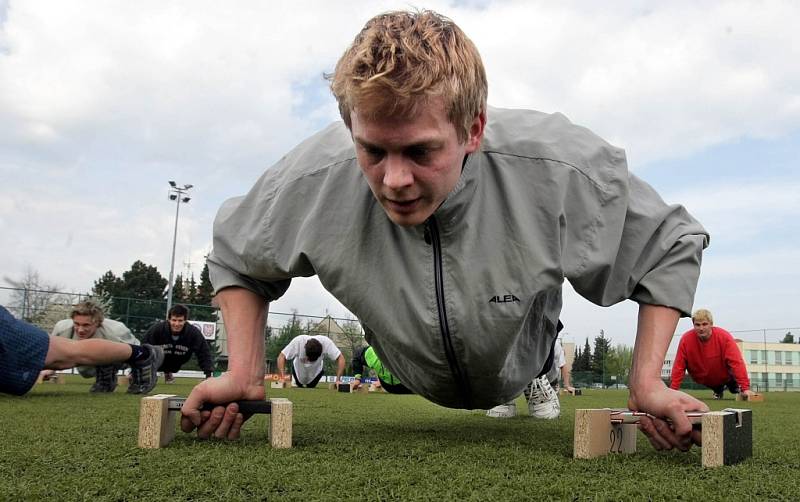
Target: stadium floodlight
177 194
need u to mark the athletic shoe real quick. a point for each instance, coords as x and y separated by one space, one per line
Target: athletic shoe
105 379
542 399
718 396
508 410
168 378
145 372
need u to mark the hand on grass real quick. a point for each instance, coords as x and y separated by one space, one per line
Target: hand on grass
747 393
223 422
658 400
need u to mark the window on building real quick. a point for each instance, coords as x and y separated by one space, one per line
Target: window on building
788 356
763 356
789 380
778 378
778 357
753 356
764 379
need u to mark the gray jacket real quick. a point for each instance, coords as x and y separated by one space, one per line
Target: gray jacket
463 309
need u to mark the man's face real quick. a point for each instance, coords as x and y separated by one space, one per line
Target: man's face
176 323
84 326
703 329
412 164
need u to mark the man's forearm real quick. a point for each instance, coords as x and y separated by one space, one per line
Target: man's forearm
244 313
653 335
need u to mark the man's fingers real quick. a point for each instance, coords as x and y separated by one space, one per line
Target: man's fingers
228 419
208 426
236 427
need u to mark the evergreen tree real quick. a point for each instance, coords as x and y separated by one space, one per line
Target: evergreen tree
108 286
788 338
191 290
178 290
144 282
601 346
205 291
137 299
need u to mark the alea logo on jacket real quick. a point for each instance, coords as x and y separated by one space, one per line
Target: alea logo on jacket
504 299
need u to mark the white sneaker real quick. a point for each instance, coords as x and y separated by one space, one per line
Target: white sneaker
508 410
542 399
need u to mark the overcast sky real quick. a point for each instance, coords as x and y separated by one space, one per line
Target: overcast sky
102 102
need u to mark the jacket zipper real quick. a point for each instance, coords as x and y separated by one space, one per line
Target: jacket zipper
432 231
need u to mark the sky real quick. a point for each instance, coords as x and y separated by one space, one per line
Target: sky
103 102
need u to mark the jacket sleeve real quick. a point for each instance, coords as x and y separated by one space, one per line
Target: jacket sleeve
150 336
678 366
258 238
734 361
629 244
203 352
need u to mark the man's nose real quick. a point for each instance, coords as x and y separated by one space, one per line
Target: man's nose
398 173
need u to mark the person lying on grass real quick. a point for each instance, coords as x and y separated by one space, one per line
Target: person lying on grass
27 350
448 229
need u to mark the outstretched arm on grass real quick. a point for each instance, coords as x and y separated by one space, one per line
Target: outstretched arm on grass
63 353
649 394
244 313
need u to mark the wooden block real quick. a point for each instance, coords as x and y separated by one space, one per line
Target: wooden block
345 387
280 423
755 398
373 387
565 392
281 385
727 437
596 436
158 413
156 421
40 378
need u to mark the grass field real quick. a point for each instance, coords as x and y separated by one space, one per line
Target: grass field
61 443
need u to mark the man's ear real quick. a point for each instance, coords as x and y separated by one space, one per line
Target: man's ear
475 134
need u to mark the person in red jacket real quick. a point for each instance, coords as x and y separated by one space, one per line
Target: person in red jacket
712 358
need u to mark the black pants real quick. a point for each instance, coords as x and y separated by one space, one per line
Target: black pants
549 362
310 385
732 385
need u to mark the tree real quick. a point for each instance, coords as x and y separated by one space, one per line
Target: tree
205 291
191 290
788 338
144 282
203 297
601 346
137 299
178 291
618 363
108 286
33 296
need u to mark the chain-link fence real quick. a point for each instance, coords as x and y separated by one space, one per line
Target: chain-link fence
771 365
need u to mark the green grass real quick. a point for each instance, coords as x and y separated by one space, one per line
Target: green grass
61 443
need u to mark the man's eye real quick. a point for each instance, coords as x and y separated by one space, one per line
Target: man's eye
373 152
418 153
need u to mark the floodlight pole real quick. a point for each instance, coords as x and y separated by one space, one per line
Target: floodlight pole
175 193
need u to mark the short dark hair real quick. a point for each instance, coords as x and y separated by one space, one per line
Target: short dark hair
179 310
313 349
